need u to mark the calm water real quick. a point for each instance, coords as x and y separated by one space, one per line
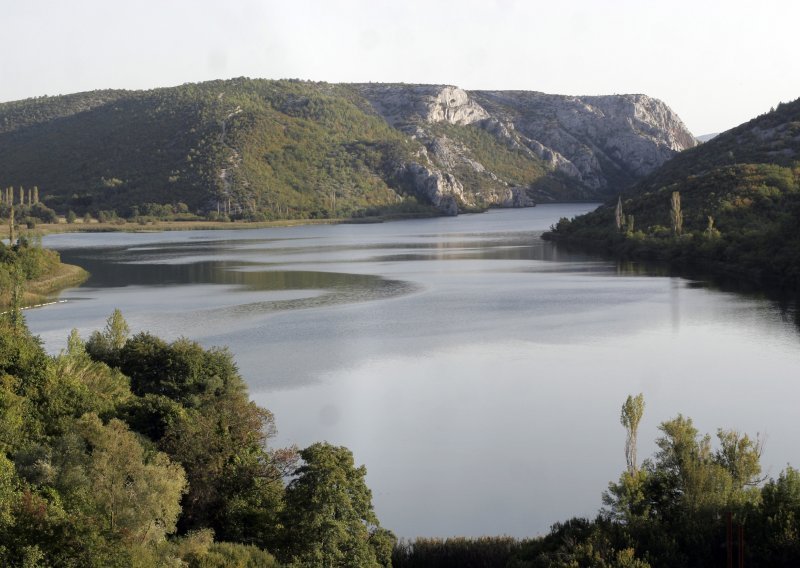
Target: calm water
476 370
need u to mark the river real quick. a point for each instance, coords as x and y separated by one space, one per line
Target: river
476 370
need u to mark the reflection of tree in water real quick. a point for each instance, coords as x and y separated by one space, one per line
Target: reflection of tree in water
785 300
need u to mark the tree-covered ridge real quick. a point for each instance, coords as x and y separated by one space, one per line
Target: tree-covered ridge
132 451
253 148
738 200
25 113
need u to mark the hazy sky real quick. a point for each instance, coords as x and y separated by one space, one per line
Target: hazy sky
716 63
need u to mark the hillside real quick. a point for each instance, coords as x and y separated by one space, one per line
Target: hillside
739 201
261 149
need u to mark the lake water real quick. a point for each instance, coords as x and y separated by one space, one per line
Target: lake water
476 370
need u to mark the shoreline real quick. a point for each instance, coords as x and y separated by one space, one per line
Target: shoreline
162 226
45 290
156 226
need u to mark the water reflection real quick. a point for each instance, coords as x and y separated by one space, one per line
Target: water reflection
785 300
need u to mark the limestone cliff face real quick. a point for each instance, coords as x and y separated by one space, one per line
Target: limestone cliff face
443 190
405 105
610 140
588 147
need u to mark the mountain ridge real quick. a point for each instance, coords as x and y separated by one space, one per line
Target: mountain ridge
265 149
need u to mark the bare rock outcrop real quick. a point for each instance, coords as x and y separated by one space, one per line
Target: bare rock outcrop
442 190
610 140
591 146
402 105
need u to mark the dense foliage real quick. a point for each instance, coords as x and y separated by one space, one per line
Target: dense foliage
131 451
737 210
246 148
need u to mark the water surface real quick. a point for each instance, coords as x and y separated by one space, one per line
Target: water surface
475 369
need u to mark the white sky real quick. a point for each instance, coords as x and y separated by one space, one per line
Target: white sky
717 63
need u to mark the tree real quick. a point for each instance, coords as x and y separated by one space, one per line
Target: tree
630 417
12 239
16 282
619 217
105 346
328 515
776 535
181 370
137 495
676 213
740 455
626 499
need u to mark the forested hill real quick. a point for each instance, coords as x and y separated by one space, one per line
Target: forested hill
264 149
732 203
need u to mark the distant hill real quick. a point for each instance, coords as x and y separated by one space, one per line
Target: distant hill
265 149
739 201
707 137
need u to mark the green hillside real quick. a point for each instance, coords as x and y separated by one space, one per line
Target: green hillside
739 204
246 147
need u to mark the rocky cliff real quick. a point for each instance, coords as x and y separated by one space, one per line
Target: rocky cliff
597 144
611 140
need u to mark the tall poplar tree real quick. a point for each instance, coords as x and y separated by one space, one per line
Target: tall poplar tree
618 214
630 417
676 213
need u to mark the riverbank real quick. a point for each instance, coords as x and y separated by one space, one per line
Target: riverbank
121 226
692 256
43 290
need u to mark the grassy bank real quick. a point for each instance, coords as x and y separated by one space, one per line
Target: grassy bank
156 226
133 227
47 287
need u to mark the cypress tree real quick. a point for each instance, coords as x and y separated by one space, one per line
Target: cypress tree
630 417
11 236
676 213
618 215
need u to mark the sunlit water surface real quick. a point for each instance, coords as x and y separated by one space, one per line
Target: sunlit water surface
476 370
